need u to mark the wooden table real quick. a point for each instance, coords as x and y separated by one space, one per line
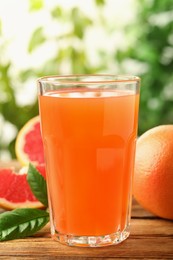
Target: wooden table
151 238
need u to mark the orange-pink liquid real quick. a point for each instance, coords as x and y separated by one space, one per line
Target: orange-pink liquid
89 140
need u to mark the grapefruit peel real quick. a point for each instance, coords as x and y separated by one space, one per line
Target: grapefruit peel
153 173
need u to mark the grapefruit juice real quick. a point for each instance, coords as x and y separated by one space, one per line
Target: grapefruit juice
89 139
89 127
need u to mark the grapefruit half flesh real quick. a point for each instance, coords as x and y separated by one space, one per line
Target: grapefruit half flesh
29 145
15 191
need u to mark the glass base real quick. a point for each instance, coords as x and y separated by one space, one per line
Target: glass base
92 241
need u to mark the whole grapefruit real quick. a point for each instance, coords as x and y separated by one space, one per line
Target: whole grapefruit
153 177
29 145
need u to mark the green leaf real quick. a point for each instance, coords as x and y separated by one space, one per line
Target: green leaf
36 5
37 184
20 223
100 2
56 12
80 22
37 39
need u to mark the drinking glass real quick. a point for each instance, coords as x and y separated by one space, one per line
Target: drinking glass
89 128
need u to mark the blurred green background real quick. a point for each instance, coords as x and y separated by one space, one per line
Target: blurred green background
39 37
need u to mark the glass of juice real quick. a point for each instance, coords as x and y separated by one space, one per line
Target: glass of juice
89 129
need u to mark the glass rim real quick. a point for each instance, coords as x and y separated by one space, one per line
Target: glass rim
100 79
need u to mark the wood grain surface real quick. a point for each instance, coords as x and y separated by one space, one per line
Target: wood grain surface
151 238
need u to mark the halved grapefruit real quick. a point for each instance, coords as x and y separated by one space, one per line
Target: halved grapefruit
15 191
29 145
